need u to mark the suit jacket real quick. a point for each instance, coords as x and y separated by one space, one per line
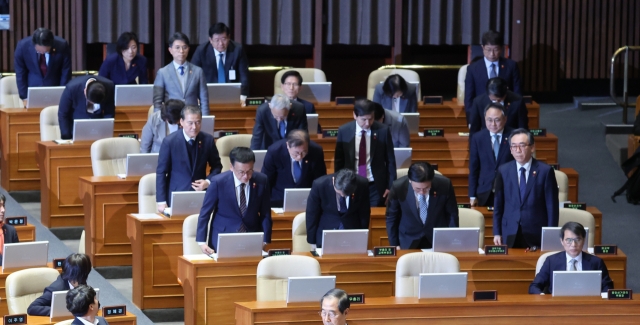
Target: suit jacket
234 59
175 171
221 200
408 101
322 208
398 127
265 129
113 68
153 132
278 168
73 104
167 86
382 158
404 226
11 236
515 110
42 305
543 282
483 165
101 321
539 208
475 84
28 67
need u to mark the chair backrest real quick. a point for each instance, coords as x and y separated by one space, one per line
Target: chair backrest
410 266
273 273
472 219
81 244
49 127
462 75
151 110
377 76
541 260
308 75
24 286
65 322
189 229
585 218
563 185
404 171
9 96
226 144
299 233
147 194
109 156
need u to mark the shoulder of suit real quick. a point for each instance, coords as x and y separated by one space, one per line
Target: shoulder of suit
479 134
507 165
259 177
313 145
400 181
205 136
439 180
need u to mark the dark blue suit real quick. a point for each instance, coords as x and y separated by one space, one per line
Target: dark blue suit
543 283
11 235
483 164
322 208
73 104
234 59
539 208
404 226
222 201
113 68
475 84
27 66
408 101
42 305
278 168
265 128
515 111
175 171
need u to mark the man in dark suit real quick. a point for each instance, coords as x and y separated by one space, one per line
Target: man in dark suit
223 60
85 97
418 203
83 303
239 200
489 148
337 201
372 158
526 196
274 120
8 233
41 60
396 123
497 92
493 65
572 236
293 162
183 159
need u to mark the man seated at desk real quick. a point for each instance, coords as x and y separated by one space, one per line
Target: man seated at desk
8 233
572 236
82 302
335 307
85 97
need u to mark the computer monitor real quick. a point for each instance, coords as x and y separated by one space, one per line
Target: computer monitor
315 92
442 285
186 203
227 93
403 157
312 123
344 241
257 166
455 239
92 129
576 283
551 240
295 199
140 164
59 304
244 244
25 255
413 122
309 288
207 125
134 95
39 97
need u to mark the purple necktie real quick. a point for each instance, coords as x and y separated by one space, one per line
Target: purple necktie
362 155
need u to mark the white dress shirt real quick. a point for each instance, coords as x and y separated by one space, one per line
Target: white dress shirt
488 64
357 151
578 262
86 322
224 58
527 167
183 78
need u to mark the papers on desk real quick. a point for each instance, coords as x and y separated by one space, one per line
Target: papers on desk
605 295
146 216
123 176
319 251
167 211
278 210
60 141
430 250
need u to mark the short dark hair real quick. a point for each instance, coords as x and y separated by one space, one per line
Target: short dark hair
521 131
341 295
42 36
575 228
297 138
420 172
190 109
79 299
2 198
171 111
345 180
497 106
393 84
378 110
242 155
492 37
124 40
96 92
76 268
363 107
178 36
497 87
291 73
219 28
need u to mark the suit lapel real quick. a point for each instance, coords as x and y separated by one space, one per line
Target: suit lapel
253 193
351 158
173 75
433 197
236 199
372 146
504 147
501 70
304 168
533 174
189 72
185 153
333 195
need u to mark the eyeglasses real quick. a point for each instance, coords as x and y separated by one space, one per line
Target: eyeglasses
331 314
178 47
493 120
520 146
219 40
491 50
291 84
570 241
244 172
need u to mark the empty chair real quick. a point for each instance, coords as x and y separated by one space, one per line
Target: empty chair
299 234
462 75
378 76
582 217
226 144
563 185
9 96
109 156
189 229
308 75
410 266
49 127
147 194
273 273
470 218
24 286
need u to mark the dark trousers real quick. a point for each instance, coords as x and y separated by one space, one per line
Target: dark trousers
374 196
520 242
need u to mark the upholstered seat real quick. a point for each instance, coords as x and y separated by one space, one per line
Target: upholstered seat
472 219
109 156
226 144
25 286
49 126
273 274
410 266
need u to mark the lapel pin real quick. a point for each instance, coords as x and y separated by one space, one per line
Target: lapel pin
502 66
254 185
435 194
534 173
306 161
133 65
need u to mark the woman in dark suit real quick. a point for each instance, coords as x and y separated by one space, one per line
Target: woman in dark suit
397 95
126 66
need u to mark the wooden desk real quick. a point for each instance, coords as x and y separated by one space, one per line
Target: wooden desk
512 309
26 233
128 319
107 200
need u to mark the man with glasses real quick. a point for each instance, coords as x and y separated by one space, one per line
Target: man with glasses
335 307
237 201
275 119
488 149
526 196
497 92
572 237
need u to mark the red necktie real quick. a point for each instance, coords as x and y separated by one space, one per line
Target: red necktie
362 155
43 65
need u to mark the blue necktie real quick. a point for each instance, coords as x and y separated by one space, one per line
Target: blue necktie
493 74
283 129
221 75
342 209
496 145
181 68
297 171
523 183
423 208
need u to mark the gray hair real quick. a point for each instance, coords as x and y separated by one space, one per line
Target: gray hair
345 181
279 101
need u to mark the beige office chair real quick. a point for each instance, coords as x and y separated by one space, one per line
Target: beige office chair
189 229
109 156
225 144
273 273
582 217
378 76
462 75
308 75
24 286
299 233
541 260
563 185
65 322
49 127
147 194
410 266
470 218
404 171
9 96
81 244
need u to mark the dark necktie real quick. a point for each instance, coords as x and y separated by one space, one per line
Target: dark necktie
43 64
362 155
221 75
496 145
191 148
523 183
343 205
181 68
423 207
243 207
297 171
282 129
493 74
